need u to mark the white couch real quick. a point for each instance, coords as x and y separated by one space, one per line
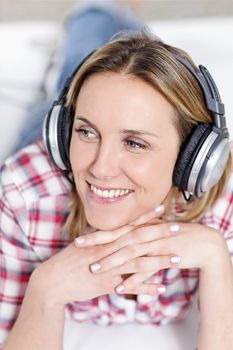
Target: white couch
25 48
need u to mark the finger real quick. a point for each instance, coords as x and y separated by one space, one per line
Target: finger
126 249
103 237
147 264
135 285
149 289
148 216
147 234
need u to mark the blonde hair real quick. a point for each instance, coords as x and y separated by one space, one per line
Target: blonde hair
142 55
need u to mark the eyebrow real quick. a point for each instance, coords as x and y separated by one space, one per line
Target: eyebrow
124 131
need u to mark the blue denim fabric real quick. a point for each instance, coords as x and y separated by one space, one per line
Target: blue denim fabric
87 28
90 28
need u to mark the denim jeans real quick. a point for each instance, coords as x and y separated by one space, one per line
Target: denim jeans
87 28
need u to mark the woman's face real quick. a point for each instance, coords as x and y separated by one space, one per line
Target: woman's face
123 149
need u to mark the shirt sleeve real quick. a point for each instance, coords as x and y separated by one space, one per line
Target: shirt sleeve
17 258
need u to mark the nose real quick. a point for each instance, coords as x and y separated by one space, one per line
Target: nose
107 161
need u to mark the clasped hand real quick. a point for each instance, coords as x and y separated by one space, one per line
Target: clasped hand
146 246
121 260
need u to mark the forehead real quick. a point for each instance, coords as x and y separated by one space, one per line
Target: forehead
120 98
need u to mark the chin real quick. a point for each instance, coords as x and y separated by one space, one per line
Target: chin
106 225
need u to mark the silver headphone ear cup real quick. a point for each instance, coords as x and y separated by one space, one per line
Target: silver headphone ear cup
50 135
202 160
187 155
209 165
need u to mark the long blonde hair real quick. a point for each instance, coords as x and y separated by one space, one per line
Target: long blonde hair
142 55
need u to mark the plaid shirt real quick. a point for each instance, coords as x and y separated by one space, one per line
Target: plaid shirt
34 206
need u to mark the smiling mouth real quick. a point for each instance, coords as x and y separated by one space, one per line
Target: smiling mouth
109 194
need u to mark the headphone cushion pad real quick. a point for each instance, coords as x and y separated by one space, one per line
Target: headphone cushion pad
63 133
188 153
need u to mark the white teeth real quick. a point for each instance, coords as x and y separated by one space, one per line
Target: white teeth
111 194
108 194
99 193
105 194
117 193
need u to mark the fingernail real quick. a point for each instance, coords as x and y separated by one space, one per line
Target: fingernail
161 289
175 259
120 288
174 228
95 267
159 209
79 240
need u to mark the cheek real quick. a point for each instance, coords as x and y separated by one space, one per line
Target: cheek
154 175
158 173
81 156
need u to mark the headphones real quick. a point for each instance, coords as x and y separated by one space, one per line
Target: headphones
202 157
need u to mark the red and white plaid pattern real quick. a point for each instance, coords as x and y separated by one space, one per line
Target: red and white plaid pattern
34 206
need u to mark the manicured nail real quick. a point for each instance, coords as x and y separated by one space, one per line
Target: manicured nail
175 259
95 267
120 288
174 227
79 240
161 289
159 209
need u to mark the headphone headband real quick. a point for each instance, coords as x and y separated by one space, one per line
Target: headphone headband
209 88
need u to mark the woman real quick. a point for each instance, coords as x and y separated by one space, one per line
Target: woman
124 119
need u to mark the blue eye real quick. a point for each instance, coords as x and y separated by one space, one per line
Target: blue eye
87 134
135 144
